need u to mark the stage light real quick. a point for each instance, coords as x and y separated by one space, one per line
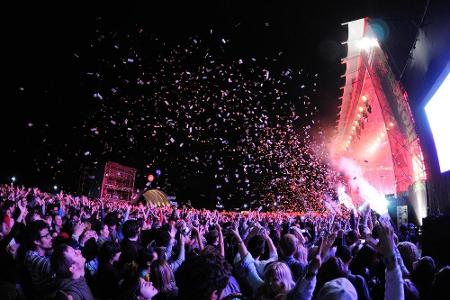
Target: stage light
13 179
355 122
364 98
391 124
150 177
359 116
55 187
367 43
361 109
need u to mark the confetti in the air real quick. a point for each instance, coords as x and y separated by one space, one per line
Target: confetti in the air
192 110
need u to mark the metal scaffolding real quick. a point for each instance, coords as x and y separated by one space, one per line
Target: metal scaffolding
118 182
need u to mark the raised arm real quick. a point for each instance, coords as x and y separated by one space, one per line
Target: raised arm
394 280
241 245
221 242
272 249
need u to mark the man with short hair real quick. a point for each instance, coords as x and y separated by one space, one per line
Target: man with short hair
36 259
343 252
203 277
132 250
288 247
68 265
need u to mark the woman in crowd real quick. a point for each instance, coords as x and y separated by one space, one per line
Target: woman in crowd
161 275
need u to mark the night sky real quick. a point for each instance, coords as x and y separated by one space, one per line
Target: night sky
57 60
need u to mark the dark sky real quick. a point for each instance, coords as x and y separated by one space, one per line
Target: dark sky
41 73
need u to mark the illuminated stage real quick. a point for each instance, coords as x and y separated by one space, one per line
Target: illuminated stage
376 129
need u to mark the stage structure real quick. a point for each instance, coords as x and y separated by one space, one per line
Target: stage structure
375 125
156 198
118 182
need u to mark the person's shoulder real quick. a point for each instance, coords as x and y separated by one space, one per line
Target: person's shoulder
295 262
32 255
171 295
355 279
77 288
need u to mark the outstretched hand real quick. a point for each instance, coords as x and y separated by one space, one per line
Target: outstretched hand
327 243
235 231
385 245
316 262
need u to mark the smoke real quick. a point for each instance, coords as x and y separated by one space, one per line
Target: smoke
368 193
344 198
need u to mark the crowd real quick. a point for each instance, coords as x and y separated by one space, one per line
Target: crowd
59 246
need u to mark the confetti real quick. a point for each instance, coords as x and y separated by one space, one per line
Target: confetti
194 111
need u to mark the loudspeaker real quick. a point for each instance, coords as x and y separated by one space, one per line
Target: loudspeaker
436 239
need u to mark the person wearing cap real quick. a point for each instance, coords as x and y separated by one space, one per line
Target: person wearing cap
337 289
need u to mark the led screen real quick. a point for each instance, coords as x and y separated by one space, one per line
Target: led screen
438 114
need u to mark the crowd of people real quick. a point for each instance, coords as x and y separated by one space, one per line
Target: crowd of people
60 246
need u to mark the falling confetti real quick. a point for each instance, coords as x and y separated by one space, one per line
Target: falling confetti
193 110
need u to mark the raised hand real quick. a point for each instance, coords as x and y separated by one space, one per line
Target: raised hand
326 244
316 262
385 245
235 231
183 239
88 235
78 228
172 231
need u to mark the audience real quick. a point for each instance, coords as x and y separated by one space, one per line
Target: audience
71 247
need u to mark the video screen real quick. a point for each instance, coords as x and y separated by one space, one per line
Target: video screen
438 114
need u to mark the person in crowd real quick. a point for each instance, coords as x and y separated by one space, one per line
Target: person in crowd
278 281
68 266
108 275
288 248
135 288
203 277
102 230
338 288
440 288
37 257
163 280
256 246
423 274
111 221
409 253
331 269
130 246
364 262
343 252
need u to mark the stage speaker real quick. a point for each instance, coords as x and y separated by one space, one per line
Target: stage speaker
436 239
